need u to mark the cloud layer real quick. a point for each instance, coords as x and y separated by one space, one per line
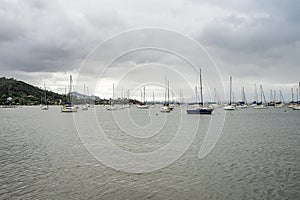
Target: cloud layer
255 42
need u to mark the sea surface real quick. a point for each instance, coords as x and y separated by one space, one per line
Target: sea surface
42 155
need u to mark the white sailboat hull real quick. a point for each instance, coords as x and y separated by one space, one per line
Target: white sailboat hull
260 107
242 106
279 105
165 109
229 107
112 108
297 107
142 106
68 109
44 107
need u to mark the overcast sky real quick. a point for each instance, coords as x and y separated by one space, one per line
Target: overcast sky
255 42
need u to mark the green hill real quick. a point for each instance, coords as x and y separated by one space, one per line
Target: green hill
16 92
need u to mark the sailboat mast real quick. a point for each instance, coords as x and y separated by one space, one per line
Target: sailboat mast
165 90
128 96
113 97
71 99
153 97
168 93
144 94
271 95
230 90
201 93
84 93
262 94
180 93
122 96
256 95
244 95
281 97
292 91
172 92
45 94
298 92
196 92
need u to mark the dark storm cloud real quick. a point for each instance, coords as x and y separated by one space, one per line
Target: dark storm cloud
40 36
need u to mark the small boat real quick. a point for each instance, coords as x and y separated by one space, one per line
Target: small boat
153 101
242 106
243 103
143 105
261 105
84 105
45 106
230 106
200 109
165 109
280 103
291 105
111 106
297 106
69 107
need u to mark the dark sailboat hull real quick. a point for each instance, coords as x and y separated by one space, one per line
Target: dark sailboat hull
200 111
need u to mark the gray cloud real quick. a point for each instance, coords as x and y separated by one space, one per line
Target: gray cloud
254 41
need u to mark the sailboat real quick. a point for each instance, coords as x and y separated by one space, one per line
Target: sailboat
84 106
216 102
243 103
69 106
261 105
143 105
181 103
45 106
292 102
272 98
255 102
200 109
230 106
166 108
297 106
153 101
125 103
111 101
280 103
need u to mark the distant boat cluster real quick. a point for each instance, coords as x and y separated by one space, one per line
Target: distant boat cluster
197 107
262 103
201 106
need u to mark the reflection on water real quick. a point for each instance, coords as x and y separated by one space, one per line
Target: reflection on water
42 157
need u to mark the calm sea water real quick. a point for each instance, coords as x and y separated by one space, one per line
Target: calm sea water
256 157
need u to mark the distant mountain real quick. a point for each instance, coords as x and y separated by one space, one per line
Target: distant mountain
82 96
16 92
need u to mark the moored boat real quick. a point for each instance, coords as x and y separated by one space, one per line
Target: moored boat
69 107
200 109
